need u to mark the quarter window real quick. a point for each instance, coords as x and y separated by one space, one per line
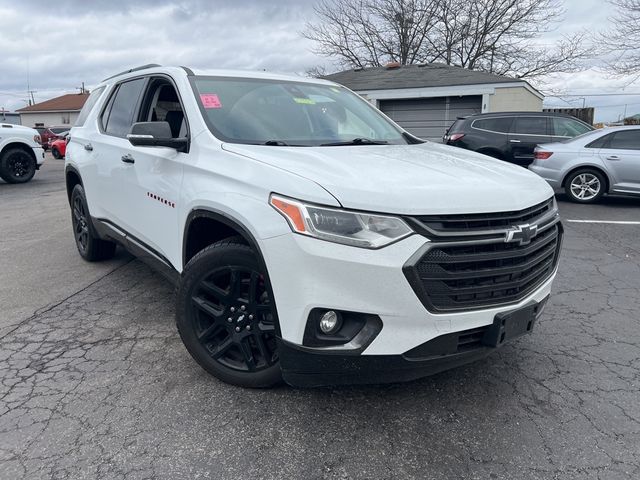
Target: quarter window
498 124
565 127
601 142
88 106
626 140
531 126
122 108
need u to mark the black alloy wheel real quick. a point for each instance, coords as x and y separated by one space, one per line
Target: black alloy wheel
90 246
17 166
80 224
226 317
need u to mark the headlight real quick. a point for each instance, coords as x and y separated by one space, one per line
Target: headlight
340 226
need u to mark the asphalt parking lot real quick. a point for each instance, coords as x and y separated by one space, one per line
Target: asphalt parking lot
95 382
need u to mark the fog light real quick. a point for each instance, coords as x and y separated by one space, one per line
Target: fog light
329 322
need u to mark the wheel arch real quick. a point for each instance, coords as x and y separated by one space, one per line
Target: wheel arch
600 170
22 146
218 226
72 178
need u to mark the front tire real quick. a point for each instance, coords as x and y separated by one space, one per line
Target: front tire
90 246
226 318
55 153
17 166
585 186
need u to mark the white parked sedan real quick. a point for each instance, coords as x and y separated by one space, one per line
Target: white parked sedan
588 166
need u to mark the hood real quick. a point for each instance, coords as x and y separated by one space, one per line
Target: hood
17 128
427 178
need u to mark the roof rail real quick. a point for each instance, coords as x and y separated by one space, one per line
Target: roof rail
141 67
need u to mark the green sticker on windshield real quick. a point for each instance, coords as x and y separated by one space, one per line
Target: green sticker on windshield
304 101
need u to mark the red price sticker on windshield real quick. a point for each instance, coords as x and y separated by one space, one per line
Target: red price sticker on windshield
210 100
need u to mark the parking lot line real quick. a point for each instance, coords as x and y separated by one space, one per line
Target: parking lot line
614 222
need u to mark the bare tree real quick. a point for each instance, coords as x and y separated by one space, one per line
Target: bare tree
496 36
361 33
623 40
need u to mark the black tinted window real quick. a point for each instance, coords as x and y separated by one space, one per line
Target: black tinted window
531 126
626 140
88 106
566 127
499 124
601 142
120 117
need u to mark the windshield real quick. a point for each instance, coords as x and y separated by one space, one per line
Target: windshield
279 113
58 130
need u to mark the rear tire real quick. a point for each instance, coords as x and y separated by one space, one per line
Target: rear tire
226 318
55 153
17 166
585 186
90 246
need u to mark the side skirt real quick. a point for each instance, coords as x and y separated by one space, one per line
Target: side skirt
109 231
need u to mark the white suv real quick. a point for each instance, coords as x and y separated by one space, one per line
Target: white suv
20 153
310 237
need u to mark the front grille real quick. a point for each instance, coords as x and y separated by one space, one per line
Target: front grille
467 275
475 222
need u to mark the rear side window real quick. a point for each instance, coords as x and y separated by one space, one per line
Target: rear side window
531 126
566 127
498 124
456 126
118 116
601 142
88 106
626 140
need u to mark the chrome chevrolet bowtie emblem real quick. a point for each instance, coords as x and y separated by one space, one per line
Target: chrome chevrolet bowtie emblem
521 234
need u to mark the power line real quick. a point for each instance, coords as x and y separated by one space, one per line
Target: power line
595 95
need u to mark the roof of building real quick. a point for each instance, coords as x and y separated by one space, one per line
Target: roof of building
71 102
414 76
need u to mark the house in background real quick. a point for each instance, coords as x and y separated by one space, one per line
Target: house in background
58 111
9 117
426 99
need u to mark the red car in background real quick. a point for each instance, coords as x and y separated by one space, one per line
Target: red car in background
59 145
50 133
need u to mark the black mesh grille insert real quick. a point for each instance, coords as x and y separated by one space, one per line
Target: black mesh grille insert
478 275
484 221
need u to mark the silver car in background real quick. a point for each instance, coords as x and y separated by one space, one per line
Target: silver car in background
588 166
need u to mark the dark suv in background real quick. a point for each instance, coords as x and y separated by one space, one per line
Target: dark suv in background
512 136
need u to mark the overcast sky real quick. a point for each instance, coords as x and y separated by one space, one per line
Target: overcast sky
66 42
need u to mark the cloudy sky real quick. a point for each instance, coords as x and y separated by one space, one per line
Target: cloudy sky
58 45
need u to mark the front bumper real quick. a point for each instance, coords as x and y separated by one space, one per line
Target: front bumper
313 367
307 273
39 153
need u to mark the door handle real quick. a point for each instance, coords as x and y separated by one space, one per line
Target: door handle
128 158
613 157
514 141
88 147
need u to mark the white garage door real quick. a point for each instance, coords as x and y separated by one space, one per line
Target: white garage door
430 117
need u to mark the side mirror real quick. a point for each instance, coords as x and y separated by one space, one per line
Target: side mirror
155 134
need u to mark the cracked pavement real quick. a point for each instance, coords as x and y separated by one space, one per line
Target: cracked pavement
95 383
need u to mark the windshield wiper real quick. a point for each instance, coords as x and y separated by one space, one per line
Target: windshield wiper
356 141
276 143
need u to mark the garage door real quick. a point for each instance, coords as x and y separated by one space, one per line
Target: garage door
430 117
